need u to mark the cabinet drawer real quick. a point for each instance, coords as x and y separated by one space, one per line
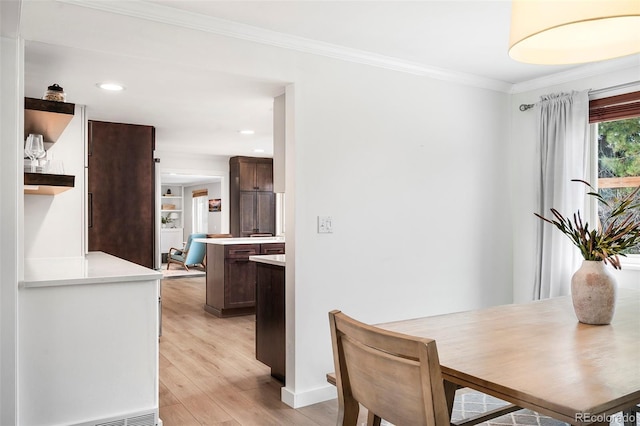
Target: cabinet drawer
272 248
241 251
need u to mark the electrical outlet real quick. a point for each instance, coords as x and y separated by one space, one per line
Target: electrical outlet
325 225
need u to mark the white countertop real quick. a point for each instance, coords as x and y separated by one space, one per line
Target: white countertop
94 268
271 259
244 240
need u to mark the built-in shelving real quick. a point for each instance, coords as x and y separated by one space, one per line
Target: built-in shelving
49 119
172 199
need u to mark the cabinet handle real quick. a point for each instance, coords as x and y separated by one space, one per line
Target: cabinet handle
242 251
90 194
90 148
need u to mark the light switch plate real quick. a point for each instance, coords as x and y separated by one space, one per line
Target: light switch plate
325 225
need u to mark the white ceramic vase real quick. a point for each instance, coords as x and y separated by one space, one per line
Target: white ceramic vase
593 290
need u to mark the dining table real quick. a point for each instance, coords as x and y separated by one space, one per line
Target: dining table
538 356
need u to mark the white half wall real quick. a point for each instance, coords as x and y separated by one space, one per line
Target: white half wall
88 352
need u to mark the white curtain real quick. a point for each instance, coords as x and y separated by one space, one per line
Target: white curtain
199 212
563 155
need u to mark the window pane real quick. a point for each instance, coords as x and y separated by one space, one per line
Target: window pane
618 163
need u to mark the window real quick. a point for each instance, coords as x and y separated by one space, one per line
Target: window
616 126
199 211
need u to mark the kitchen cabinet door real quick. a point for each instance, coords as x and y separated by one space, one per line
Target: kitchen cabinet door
257 213
265 213
264 175
240 288
247 212
121 191
255 174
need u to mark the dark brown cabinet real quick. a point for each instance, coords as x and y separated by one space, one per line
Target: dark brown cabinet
121 191
257 213
270 318
255 174
231 277
252 206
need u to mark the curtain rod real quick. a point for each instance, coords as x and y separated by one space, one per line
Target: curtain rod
525 107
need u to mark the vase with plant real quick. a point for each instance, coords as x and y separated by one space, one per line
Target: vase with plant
593 287
165 220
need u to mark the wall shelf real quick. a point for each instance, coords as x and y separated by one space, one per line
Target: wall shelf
49 119
46 118
47 184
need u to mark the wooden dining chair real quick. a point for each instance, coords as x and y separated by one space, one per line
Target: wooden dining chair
395 376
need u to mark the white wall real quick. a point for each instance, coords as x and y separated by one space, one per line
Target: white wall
55 225
413 172
524 172
11 247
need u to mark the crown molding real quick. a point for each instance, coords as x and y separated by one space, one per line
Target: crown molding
167 15
584 71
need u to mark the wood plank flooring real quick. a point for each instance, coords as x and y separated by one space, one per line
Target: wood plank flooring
209 374
208 371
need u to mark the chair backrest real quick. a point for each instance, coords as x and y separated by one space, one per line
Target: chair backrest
195 250
395 376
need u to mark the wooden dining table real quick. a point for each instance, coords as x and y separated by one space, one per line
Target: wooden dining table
538 356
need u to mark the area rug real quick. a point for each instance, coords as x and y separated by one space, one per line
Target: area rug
178 271
469 404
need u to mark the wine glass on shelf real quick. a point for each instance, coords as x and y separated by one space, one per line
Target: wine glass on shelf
34 149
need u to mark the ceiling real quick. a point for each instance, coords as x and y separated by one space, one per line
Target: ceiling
198 110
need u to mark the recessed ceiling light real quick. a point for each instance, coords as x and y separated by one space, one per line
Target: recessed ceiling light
246 132
258 150
114 87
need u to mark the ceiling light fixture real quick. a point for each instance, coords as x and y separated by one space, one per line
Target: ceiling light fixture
113 87
246 132
573 32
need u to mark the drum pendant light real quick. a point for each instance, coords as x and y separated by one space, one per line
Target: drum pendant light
573 31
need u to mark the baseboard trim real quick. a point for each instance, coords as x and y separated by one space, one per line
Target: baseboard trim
313 396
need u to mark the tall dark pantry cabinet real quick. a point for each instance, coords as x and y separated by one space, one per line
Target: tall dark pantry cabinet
252 202
121 194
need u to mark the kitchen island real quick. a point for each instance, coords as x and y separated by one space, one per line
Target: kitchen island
231 277
270 313
88 343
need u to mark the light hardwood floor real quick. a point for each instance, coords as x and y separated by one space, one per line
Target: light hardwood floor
208 371
209 374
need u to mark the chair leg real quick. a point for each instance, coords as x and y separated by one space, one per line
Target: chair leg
373 420
185 267
348 413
